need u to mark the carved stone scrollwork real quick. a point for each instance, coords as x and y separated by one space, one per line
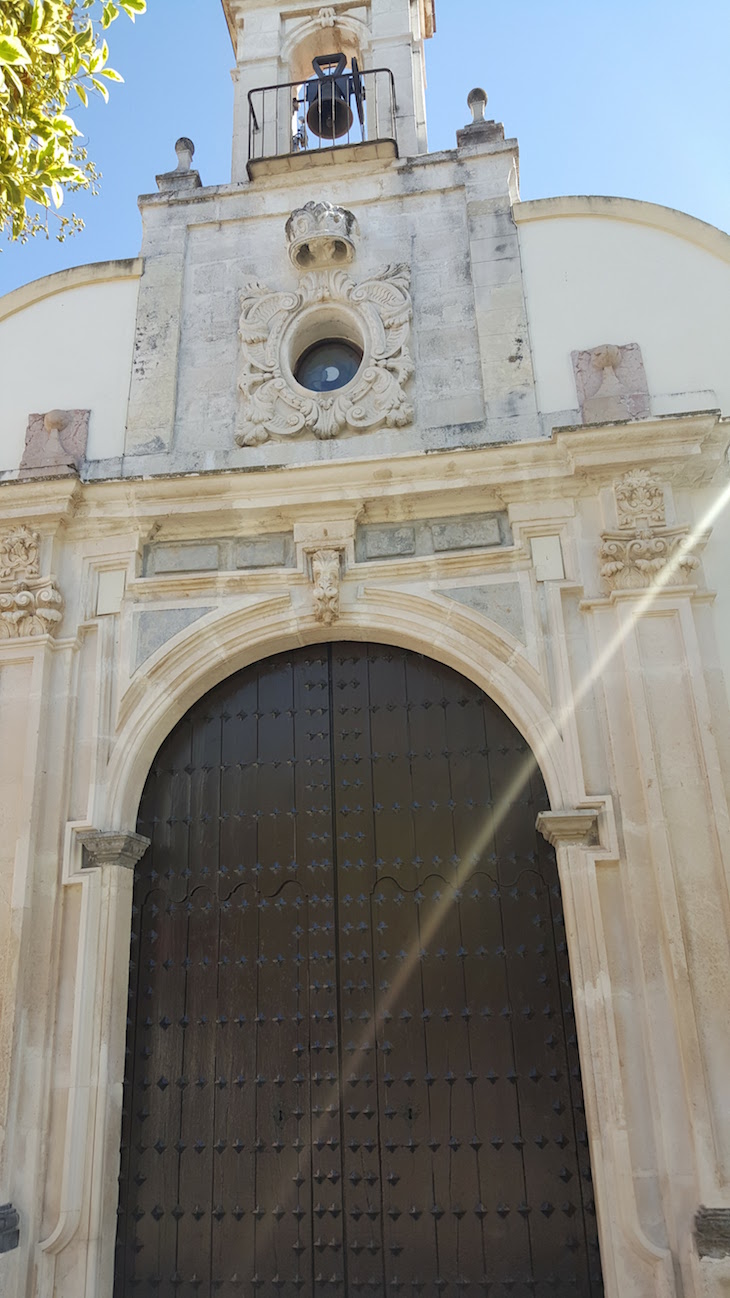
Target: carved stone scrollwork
326 576
30 605
644 551
276 327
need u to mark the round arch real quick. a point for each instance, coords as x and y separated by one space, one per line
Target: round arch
183 670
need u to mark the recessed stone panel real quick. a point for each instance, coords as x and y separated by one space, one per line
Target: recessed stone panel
467 533
275 551
182 558
432 536
155 627
501 603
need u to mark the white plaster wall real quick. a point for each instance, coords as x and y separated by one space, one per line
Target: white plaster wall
593 279
71 350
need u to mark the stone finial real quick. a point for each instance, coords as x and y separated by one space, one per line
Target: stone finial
185 150
321 235
477 102
183 177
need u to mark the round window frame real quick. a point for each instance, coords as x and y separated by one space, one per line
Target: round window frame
320 323
357 353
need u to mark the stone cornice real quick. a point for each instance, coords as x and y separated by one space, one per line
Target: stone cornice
99 272
685 450
630 210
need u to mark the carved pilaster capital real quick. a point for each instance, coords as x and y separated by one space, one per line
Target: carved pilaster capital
112 848
712 1232
577 828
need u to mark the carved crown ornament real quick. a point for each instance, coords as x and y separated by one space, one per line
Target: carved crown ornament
371 318
30 605
644 551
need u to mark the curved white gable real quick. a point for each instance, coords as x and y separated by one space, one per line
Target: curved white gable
66 342
610 270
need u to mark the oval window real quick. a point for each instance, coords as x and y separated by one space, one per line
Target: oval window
328 365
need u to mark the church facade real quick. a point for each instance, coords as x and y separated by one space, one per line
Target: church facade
364 662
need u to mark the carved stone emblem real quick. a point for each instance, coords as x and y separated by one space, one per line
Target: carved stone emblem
640 500
326 16
644 550
19 554
55 444
326 576
29 604
321 234
276 327
611 383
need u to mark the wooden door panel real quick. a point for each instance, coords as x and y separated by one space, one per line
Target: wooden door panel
352 1064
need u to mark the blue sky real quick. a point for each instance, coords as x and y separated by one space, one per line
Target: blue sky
629 98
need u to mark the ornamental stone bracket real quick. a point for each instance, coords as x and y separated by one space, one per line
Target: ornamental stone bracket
577 828
110 848
712 1232
644 552
276 328
30 605
326 573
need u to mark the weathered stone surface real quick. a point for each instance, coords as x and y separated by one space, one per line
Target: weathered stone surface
432 536
466 533
55 444
611 383
276 551
183 558
155 627
500 602
712 1232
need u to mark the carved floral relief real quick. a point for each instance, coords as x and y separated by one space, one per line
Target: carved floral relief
644 550
30 605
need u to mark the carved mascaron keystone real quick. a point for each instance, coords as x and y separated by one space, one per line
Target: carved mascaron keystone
29 604
326 576
644 551
277 328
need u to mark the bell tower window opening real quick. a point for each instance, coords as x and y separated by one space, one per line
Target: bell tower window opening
328 107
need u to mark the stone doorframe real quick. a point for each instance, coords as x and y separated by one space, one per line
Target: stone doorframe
581 828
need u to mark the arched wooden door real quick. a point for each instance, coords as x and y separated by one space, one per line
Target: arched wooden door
352 1065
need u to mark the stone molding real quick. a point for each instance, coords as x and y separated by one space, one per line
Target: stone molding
578 828
326 579
30 605
110 848
712 1232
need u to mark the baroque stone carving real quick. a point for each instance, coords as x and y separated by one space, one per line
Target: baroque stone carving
326 16
321 234
29 604
644 550
640 500
611 383
55 444
276 327
326 575
19 554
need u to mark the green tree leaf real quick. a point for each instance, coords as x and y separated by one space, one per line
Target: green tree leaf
49 49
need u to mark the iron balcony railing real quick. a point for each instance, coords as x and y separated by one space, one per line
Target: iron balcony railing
301 119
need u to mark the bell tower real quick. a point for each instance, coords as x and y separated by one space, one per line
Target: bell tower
275 45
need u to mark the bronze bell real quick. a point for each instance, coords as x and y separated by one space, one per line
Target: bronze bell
329 113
